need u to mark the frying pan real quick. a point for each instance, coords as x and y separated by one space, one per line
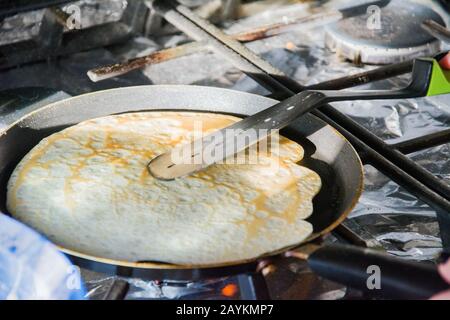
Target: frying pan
326 151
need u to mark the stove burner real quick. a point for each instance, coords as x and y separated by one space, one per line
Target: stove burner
399 36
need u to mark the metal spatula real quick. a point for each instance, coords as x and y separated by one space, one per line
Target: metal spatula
428 79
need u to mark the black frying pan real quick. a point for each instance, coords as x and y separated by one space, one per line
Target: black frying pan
326 152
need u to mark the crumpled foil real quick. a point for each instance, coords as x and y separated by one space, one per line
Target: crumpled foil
25 25
386 216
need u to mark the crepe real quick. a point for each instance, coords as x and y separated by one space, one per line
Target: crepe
87 189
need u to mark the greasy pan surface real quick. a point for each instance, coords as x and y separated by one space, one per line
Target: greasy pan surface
326 152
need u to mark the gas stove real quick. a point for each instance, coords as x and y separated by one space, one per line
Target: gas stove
280 44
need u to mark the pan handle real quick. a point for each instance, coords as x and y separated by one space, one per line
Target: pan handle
376 273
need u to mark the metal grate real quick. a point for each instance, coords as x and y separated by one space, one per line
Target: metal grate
389 159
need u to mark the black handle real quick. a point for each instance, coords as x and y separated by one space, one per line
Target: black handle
421 78
376 273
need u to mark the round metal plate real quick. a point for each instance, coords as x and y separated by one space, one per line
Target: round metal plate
398 37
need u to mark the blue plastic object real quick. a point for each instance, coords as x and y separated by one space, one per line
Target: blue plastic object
33 268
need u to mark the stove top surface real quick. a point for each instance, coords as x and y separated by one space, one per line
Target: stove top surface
386 217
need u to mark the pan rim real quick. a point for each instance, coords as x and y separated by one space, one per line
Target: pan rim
163 265
162 86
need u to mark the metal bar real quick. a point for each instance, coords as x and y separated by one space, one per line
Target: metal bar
51 29
118 290
237 53
436 30
423 142
395 172
407 181
393 155
393 163
357 234
364 77
443 219
253 286
308 22
153 23
134 16
113 70
230 9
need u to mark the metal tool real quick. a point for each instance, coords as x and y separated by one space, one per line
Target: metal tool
427 79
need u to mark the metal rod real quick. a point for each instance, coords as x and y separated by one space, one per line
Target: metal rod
305 23
436 30
118 290
113 70
393 155
253 286
230 9
407 181
51 29
396 173
201 30
423 142
364 77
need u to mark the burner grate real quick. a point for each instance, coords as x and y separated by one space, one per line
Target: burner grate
389 159
372 149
